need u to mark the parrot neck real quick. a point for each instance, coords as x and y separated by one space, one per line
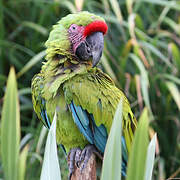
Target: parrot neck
58 72
62 63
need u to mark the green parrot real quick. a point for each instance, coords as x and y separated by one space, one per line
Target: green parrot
84 97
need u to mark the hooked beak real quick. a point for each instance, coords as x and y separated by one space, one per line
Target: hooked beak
91 48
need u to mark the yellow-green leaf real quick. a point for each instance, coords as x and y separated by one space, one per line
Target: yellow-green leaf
22 163
10 129
137 159
31 63
116 9
175 55
174 92
112 156
36 27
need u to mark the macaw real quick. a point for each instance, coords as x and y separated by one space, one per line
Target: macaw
84 97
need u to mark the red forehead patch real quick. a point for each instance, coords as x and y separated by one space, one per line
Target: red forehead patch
96 26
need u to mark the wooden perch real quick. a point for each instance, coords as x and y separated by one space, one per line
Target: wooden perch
89 172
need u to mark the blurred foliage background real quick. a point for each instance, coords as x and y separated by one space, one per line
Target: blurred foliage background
141 54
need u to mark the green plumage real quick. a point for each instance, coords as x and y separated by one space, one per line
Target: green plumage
63 79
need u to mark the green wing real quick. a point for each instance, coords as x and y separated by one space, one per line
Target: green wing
39 102
96 93
67 133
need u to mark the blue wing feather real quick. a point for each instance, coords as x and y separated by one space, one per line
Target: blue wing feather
82 121
44 114
96 135
100 135
124 149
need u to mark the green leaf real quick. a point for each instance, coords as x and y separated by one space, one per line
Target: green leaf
174 92
144 80
170 4
169 77
22 163
31 63
10 129
50 168
41 139
10 44
157 52
150 158
112 157
175 55
108 68
172 24
24 91
137 159
129 5
116 9
139 22
36 27
69 5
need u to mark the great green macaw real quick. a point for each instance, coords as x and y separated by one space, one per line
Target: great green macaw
84 97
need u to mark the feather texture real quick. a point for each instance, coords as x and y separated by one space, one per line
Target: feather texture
85 98
96 93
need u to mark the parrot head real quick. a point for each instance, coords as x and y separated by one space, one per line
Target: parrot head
79 37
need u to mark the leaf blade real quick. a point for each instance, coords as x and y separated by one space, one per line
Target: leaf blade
112 156
35 59
137 159
22 163
51 168
10 129
150 158
174 92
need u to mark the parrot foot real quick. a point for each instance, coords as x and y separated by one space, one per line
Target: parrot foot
81 158
86 154
74 157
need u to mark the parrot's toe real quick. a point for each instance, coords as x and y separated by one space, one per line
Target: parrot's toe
80 158
86 154
73 157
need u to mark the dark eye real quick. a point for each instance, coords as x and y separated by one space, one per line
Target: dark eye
73 28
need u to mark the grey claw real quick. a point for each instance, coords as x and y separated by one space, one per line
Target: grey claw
77 157
73 158
86 154
80 158
73 155
83 154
